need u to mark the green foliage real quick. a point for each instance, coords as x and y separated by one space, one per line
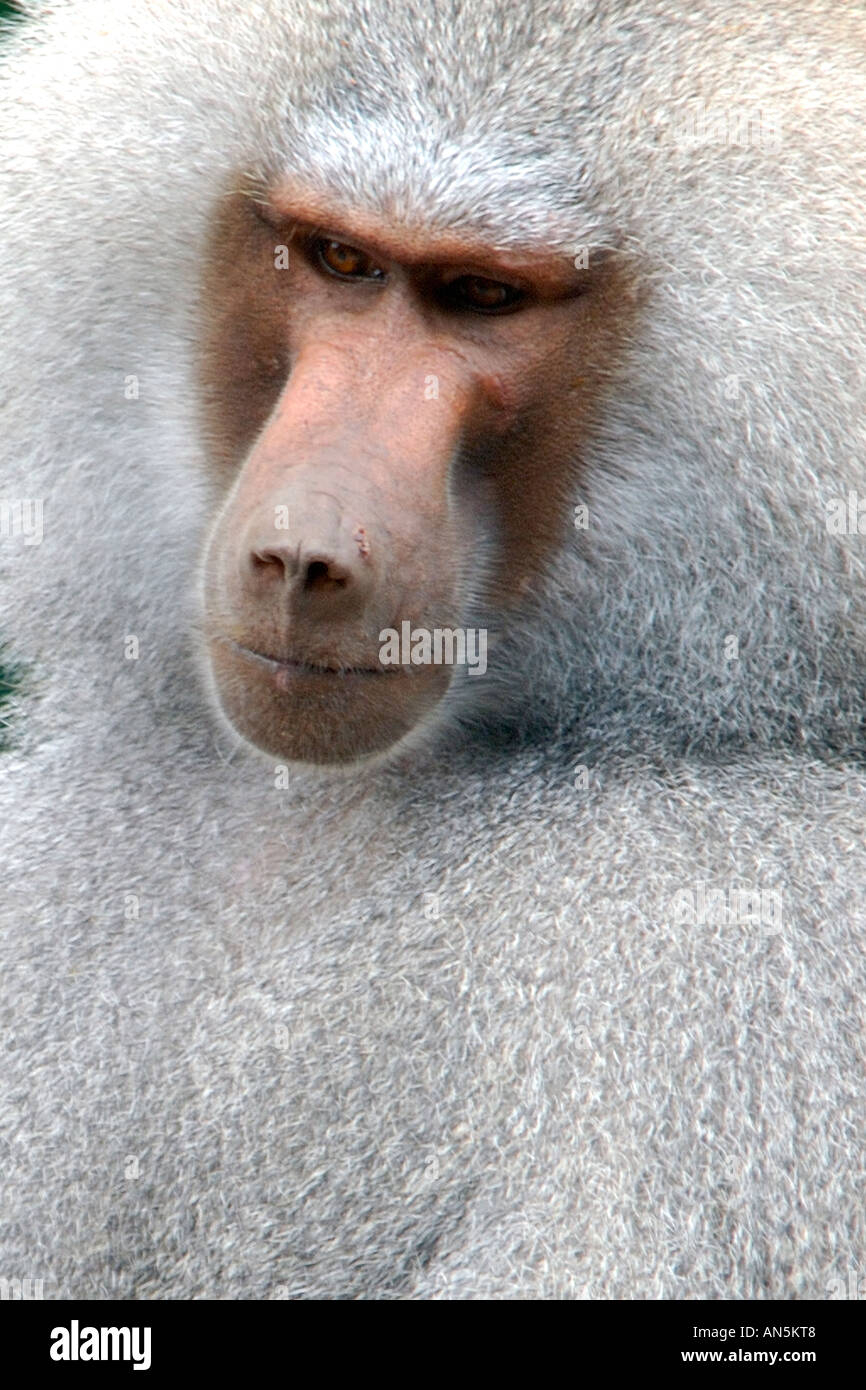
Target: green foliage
10 678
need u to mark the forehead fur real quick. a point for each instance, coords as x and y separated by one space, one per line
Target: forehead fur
461 118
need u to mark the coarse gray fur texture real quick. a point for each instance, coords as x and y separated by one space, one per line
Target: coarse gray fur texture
443 1028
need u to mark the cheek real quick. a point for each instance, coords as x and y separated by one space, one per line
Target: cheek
525 472
244 366
243 354
552 387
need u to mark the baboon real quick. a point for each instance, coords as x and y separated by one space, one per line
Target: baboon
434 578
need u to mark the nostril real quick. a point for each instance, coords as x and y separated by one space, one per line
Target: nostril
320 574
262 559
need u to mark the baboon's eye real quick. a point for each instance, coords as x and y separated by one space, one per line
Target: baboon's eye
346 262
482 295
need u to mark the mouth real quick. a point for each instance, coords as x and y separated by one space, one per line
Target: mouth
286 669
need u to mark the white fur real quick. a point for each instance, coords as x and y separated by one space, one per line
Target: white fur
433 1029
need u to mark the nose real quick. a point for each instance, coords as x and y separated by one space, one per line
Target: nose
326 571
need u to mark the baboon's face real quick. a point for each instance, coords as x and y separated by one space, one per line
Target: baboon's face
394 416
